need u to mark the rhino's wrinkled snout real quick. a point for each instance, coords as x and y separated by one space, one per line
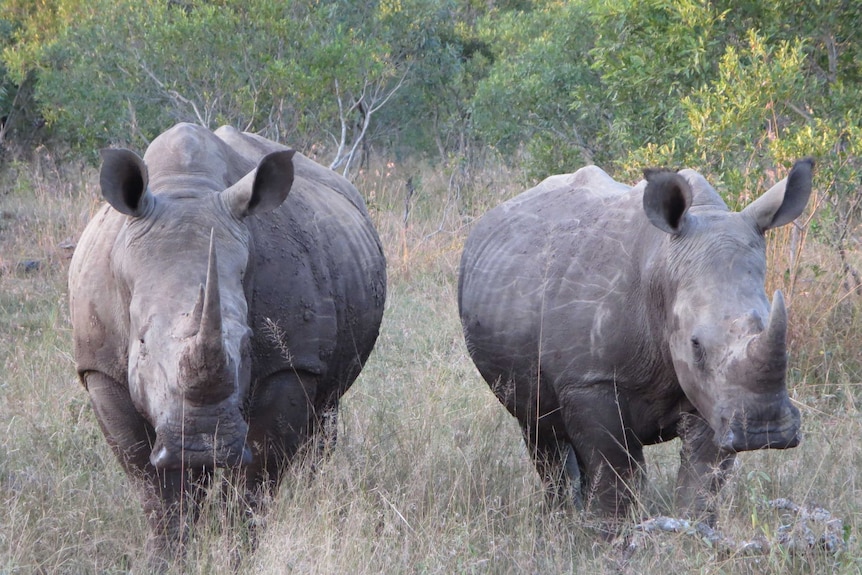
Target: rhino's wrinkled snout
172 459
208 449
214 431
743 433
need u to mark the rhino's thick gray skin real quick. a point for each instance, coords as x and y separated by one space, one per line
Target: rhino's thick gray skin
606 318
222 302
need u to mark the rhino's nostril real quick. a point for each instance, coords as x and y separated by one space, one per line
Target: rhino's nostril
163 459
181 455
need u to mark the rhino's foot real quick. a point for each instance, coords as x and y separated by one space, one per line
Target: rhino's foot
573 478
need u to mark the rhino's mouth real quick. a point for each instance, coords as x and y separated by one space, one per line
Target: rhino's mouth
201 449
168 459
742 433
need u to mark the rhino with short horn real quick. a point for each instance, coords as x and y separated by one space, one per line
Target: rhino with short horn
222 301
607 317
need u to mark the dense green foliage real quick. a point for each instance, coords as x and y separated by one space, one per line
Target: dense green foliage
308 72
733 88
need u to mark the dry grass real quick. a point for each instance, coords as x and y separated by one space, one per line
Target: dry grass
429 474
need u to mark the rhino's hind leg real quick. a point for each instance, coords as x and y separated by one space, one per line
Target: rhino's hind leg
703 469
610 455
556 463
325 428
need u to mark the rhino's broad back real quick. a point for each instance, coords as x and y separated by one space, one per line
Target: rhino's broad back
320 252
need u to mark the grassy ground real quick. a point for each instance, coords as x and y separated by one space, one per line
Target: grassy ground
429 474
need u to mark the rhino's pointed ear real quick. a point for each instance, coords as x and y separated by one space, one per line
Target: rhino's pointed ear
264 189
784 201
667 198
124 181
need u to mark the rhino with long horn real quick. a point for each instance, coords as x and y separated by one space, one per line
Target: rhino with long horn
607 317
222 301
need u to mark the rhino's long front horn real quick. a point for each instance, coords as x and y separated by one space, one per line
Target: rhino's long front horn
203 366
767 351
210 327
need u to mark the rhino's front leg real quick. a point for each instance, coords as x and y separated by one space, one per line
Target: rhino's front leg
125 430
171 503
162 493
703 468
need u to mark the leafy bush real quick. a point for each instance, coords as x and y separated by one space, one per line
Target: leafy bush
123 71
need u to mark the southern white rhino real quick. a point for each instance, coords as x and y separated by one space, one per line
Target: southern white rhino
222 301
607 317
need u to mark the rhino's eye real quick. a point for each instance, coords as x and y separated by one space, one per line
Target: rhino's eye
697 350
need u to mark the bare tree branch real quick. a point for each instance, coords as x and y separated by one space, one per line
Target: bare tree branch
176 96
372 97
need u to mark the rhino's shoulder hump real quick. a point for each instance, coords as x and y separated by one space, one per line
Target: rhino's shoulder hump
703 194
560 196
597 180
589 180
188 155
250 146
